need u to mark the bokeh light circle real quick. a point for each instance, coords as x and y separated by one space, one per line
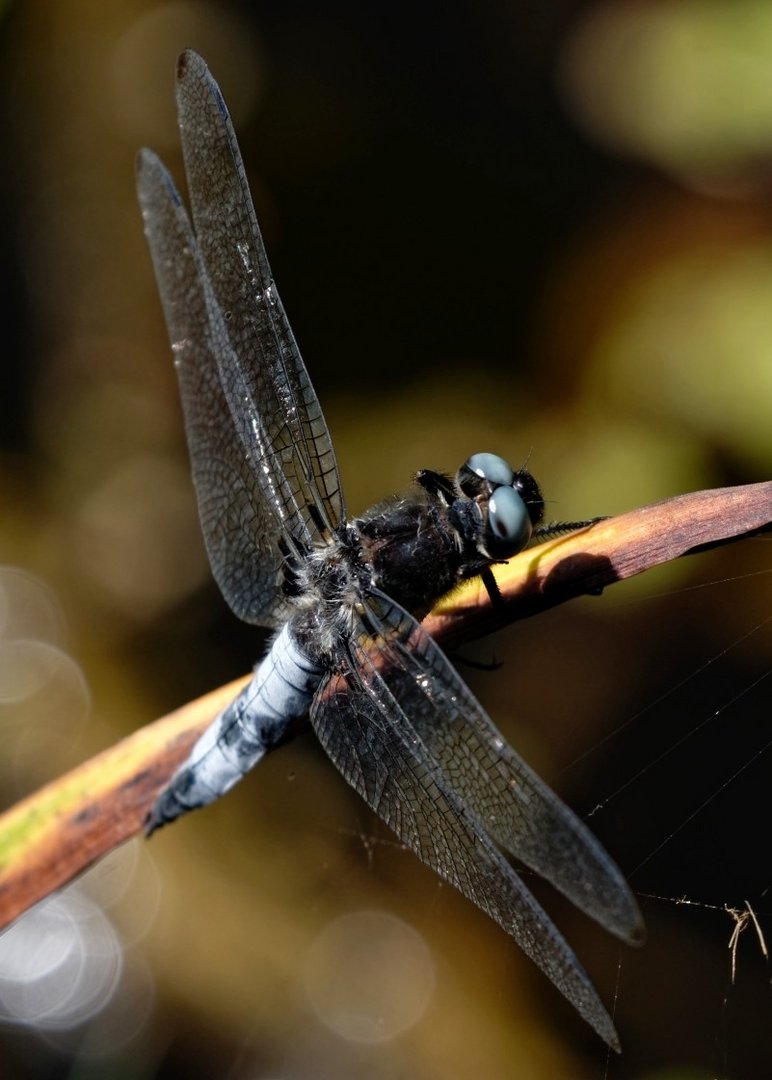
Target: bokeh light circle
369 976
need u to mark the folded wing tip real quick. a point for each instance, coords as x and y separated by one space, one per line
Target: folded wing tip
144 161
626 924
188 59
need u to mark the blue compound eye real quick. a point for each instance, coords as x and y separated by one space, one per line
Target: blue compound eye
508 528
484 472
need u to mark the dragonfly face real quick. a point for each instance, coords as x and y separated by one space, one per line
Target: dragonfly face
385 703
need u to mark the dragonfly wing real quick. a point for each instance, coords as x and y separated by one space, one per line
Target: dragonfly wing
367 732
238 520
265 471
264 378
517 809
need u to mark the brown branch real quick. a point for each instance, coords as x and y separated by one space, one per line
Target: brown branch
54 834
587 562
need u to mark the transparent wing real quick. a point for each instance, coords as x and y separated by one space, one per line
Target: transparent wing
515 807
263 463
238 523
363 715
268 382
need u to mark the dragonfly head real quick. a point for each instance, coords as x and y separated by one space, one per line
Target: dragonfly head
509 501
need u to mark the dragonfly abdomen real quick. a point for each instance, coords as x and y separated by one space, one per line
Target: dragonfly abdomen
278 694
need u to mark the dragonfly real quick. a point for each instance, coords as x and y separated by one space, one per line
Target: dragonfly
343 596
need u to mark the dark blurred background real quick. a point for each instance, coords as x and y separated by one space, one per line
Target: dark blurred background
539 229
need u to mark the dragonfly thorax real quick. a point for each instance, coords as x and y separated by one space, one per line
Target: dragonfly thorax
328 585
421 544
